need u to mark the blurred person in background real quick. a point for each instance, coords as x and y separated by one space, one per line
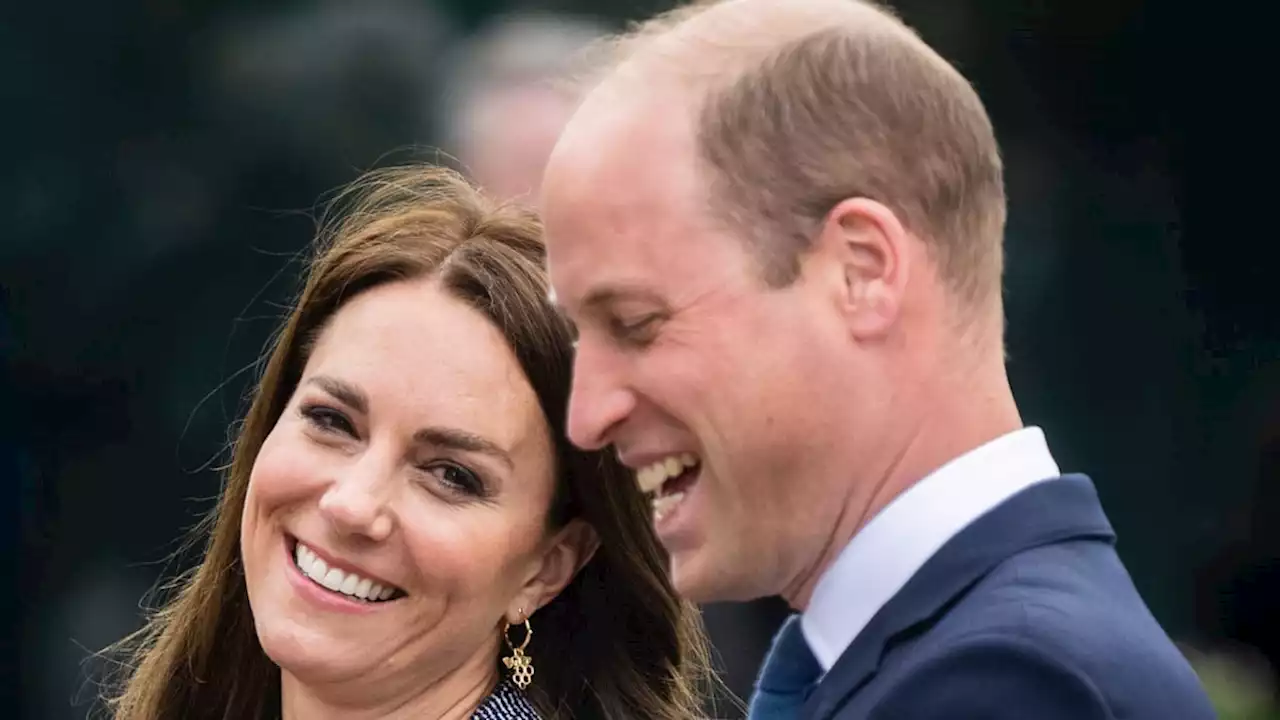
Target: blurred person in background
778 228
506 98
404 532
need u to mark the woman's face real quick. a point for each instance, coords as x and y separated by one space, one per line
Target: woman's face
397 511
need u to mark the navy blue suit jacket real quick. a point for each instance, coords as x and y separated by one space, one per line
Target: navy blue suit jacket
1027 614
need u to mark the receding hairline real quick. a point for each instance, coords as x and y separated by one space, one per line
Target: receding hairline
704 45
707 44
717 55
682 58
676 62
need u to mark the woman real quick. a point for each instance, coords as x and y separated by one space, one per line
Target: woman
404 532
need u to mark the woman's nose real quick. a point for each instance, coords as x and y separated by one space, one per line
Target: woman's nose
357 501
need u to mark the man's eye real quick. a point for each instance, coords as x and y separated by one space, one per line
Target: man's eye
637 330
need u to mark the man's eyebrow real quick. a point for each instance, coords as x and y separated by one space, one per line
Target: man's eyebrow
343 391
462 441
605 295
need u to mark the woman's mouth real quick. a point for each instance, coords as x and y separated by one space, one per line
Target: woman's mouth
347 583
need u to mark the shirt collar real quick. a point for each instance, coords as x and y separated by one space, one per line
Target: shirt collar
890 548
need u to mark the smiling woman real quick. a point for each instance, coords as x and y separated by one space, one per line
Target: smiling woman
404 531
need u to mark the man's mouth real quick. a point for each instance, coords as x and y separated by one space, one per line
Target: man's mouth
347 583
667 480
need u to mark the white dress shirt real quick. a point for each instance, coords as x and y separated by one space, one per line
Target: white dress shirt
898 541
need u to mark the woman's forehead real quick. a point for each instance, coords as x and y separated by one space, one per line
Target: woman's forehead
423 354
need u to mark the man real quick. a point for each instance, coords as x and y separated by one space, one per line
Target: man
778 227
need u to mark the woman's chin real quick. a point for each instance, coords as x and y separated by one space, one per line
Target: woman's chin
311 657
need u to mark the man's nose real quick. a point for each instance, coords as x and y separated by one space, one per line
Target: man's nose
598 401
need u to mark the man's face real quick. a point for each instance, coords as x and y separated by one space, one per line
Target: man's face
710 384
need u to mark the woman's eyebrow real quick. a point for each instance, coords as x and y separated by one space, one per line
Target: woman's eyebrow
343 391
462 440
436 435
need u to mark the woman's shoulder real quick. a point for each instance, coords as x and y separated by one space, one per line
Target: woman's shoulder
506 702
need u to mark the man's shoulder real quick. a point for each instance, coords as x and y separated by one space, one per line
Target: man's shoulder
1059 628
990 674
1011 672
1055 595
1072 600
1028 610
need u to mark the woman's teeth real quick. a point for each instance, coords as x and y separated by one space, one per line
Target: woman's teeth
651 477
347 583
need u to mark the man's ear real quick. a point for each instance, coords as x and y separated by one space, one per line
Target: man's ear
567 552
864 250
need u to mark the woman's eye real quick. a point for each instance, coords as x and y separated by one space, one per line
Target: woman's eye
328 419
457 478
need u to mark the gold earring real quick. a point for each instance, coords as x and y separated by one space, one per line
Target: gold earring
520 665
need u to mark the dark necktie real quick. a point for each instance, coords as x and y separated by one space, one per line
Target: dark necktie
789 675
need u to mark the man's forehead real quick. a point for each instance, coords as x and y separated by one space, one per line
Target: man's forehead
622 122
620 196
618 187
599 287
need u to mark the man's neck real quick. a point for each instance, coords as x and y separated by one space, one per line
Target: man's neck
954 424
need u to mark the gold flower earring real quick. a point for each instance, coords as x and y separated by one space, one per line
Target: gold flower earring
520 665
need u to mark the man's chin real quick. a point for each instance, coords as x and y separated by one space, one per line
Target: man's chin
699 579
689 583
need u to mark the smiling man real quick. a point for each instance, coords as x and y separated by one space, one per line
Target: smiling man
778 227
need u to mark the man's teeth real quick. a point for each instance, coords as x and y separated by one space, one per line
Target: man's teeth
663 505
651 477
347 583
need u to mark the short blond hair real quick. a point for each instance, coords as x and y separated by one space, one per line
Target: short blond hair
803 103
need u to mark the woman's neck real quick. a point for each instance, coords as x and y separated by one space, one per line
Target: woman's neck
453 697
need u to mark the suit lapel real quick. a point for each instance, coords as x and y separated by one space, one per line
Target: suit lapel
1050 512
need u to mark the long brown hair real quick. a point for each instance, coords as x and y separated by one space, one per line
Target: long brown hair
616 643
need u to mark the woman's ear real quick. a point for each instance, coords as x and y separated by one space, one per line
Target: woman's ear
569 550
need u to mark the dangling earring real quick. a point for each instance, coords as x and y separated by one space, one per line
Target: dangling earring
520 665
